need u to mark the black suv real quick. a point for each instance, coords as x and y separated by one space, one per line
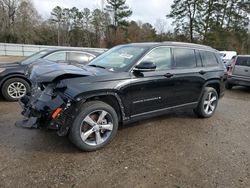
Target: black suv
125 84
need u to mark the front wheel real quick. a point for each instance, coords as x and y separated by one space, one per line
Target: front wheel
94 127
15 88
208 103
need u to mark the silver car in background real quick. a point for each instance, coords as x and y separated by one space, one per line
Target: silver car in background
239 72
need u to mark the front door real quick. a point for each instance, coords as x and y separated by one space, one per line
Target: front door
150 91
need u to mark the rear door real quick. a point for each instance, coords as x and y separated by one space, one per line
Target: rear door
242 67
188 76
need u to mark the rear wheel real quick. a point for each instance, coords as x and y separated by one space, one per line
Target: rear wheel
94 127
15 88
208 103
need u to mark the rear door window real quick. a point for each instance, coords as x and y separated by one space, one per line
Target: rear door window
198 58
208 59
243 61
79 57
57 56
184 58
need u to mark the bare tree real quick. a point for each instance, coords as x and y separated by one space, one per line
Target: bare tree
27 19
7 15
160 26
57 17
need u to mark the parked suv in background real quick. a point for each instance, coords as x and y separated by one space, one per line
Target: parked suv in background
125 84
13 82
239 72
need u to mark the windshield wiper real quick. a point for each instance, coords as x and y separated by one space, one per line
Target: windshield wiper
99 66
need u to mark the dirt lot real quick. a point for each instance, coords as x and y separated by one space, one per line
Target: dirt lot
176 150
4 59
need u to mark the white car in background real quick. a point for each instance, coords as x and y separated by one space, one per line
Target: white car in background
226 56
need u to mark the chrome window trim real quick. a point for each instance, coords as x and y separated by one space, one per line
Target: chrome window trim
166 46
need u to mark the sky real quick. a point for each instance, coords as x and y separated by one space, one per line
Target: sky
143 10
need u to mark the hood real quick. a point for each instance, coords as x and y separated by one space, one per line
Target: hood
49 71
9 65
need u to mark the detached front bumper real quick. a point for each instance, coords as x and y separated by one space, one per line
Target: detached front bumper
45 109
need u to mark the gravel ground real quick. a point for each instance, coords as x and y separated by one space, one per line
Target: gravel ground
176 150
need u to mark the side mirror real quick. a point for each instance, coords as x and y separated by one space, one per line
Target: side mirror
145 67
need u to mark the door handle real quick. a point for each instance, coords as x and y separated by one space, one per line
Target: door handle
202 72
246 70
169 75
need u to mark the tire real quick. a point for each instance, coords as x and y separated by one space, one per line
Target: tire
15 88
87 133
209 97
228 86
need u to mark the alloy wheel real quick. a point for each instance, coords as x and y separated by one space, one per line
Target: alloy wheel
16 90
210 103
96 127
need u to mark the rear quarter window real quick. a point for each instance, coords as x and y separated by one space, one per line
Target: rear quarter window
184 58
208 59
243 61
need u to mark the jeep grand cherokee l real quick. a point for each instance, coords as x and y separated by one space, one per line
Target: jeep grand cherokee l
125 84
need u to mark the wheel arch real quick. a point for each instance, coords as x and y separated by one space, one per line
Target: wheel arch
10 76
214 84
111 98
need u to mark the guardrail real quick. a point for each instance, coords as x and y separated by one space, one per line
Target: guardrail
9 49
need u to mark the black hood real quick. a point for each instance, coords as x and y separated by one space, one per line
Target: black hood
48 71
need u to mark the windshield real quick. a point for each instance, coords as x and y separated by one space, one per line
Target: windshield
119 58
34 57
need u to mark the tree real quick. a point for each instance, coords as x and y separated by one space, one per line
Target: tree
27 19
222 24
184 14
86 26
75 27
134 32
98 25
160 26
46 34
8 10
225 24
57 17
148 32
120 12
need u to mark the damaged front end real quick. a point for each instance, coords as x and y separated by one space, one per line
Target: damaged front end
47 107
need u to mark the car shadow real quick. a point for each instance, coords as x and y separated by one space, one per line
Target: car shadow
47 141
241 89
187 114
238 92
1 98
